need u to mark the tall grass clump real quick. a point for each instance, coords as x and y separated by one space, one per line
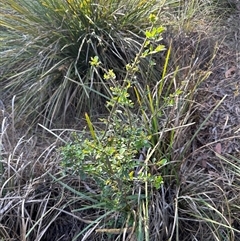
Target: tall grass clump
48 45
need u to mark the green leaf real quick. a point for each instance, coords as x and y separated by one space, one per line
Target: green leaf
95 61
158 181
153 18
162 162
160 48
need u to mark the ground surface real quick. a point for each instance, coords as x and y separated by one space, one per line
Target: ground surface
219 98
223 127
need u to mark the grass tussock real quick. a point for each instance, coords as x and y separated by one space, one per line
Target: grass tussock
48 46
137 173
